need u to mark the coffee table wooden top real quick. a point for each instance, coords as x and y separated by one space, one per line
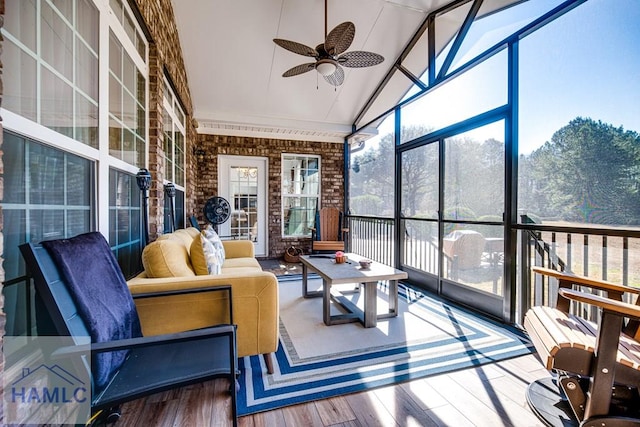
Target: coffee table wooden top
350 271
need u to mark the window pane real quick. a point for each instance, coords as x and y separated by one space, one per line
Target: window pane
579 117
115 138
420 177
88 23
474 255
491 27
301 191
87 71
115 56
371 176
13 161
115 97
299 215
57 103
129 111
20 21
57 42
124 216
129 74
474 92
46 175
79 182
19 81
65 7
447 27
180 159
474 174
86 121
421 249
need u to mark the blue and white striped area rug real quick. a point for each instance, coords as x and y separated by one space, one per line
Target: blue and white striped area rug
314 361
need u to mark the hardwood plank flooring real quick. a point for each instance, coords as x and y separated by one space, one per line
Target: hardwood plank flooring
490 395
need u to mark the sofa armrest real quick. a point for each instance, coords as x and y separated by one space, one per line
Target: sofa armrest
238 248
255 306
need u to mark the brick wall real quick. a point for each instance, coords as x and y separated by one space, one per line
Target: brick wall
165 57
332 176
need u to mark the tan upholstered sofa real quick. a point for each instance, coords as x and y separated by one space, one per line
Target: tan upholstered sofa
176 261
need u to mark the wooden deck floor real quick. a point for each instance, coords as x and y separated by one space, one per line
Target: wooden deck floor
491 395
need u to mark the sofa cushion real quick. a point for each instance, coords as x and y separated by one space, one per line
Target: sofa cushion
213 250
166 258
241 262
205 258
197 256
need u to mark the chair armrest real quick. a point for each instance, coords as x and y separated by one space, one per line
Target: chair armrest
608 304
131 343
566 281
585 281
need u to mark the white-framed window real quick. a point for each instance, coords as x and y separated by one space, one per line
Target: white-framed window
300 193
173 123
174 137
76 80
50 56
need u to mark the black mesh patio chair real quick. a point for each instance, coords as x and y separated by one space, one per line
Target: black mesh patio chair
83 292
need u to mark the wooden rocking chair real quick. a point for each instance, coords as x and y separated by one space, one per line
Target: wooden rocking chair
597 366
328 233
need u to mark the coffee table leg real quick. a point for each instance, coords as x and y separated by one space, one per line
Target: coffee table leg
304 280
326 302
370 304
393 297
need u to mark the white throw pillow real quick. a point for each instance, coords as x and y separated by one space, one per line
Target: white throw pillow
213 250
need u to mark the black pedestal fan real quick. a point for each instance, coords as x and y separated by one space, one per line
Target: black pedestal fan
217 210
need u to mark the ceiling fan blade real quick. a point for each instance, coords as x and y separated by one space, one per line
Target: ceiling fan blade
296 47
360 59
337 78
299 69
340 38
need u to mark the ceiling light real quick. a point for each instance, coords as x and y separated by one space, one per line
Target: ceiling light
326 67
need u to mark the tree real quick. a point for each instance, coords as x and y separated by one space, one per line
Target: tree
588 173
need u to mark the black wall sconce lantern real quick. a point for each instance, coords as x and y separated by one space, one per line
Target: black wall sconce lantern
143 178
170 191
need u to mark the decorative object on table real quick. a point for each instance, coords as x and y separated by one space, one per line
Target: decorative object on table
365 263
143 179
292 254
217 210
341 258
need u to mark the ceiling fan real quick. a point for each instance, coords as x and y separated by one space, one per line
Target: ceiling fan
329 55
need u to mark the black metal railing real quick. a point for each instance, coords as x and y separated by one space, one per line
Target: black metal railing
373 238
602 253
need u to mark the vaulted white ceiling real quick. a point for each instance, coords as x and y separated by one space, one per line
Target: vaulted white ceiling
235 69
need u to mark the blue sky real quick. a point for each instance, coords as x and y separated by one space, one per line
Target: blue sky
586 63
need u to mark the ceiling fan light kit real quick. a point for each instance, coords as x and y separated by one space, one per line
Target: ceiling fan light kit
326 67
329 55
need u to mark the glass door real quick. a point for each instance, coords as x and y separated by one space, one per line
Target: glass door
243 182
